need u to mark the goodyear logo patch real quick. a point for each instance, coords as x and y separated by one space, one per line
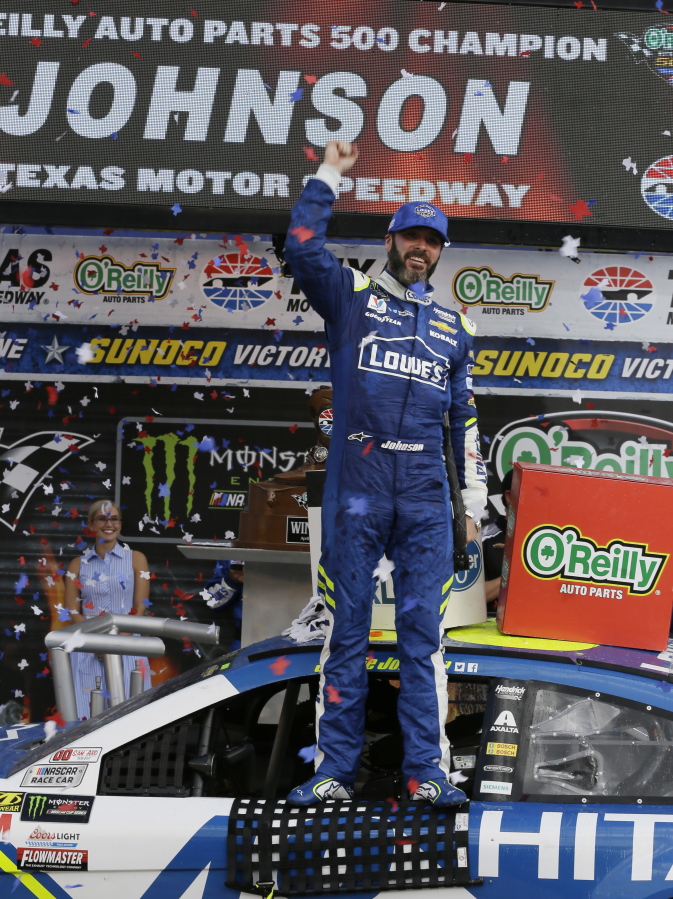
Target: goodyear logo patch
10 802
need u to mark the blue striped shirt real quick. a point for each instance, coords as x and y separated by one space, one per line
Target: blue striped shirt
107 586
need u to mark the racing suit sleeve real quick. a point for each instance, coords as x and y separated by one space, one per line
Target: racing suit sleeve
329 286
465 431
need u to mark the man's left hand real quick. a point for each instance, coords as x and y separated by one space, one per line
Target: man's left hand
471 529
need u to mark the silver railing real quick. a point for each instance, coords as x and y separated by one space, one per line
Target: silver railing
101 635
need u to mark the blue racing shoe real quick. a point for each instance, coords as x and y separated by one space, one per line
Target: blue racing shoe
439 792
318 789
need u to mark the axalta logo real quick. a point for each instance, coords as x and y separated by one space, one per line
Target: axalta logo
618 295
387 356
626 455
505 723
656 187
552 552
238 282
104 275
484 287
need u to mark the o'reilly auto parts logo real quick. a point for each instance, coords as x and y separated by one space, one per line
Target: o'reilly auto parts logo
484 287
618 295
121 283
238 282
656 187
552 552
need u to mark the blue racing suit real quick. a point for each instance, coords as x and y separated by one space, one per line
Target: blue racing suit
398 362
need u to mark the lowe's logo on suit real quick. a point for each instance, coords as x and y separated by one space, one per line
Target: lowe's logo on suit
387 356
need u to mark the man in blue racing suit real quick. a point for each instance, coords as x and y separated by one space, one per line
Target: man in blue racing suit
398 360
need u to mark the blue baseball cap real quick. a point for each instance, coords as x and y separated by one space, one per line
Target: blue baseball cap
425 215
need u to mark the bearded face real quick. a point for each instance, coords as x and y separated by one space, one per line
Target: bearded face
412 256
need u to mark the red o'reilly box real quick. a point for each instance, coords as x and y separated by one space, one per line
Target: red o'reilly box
587 557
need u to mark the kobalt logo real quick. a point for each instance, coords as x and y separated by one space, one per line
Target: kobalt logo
387 357
104 275
618 294
504 692
551 552
484 287
656 187
505 724
238 283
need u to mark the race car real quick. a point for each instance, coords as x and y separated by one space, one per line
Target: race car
565 750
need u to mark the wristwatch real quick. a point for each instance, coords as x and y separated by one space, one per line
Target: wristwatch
476 521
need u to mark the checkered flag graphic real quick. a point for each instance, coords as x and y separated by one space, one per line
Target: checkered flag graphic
25 463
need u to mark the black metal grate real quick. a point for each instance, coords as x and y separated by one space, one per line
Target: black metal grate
345 846
154 765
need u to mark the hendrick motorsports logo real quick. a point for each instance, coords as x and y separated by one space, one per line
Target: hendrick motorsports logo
238 283
483 287
104 275
657 187
618 295
552 552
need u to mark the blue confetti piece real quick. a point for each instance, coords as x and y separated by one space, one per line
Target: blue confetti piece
164 489
176 209
213 485
357 505
298 320
297 95
21 583
592 298
114 135
610 326
308 753
74 112
207 445
530 341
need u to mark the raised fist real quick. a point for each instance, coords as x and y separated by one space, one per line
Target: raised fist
341 155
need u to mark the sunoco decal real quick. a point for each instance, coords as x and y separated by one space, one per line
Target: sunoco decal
483 287
104 275
38 807
552 552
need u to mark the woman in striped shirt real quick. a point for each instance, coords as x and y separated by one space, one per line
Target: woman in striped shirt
106 578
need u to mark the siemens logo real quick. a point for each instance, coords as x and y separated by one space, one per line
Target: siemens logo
386 356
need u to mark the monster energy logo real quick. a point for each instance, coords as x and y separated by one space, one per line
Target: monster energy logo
170 443
36 805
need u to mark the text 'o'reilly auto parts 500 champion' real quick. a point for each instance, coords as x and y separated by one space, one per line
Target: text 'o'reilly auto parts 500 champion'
566 751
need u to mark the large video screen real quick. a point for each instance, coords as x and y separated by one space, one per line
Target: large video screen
489 111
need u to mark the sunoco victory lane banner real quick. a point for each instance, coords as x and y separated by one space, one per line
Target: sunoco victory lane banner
202 309
230 104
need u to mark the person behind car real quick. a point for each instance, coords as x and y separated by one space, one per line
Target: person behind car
493 545
108 577
226 591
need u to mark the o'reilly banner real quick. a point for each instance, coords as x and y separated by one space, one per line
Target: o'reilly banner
231 104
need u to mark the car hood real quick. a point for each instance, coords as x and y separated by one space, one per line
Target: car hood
16 739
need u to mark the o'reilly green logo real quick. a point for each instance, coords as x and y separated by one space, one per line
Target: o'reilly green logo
36 805
103 274
659 39
551 552
483 287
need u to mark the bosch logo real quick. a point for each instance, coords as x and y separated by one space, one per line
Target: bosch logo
427 212
237 283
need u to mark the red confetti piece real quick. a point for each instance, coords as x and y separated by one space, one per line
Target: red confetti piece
57 717
368 448
594 6
21 560
302 234
53 286
270 323
52 393
580 209
578 4
293 428
504 160
36 42
5 79
280 666
194 13
467 157
86 43
108 231
667 451
412 785
525 53
136 55
333 694
394 807
404 842
102 248
651 349
309 152
311 79
590 406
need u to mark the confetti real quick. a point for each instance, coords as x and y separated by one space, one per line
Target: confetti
5 79
176 209
412 785
384 569
302 234
297 95
309 152
280 666
406 74
580 209
308 753
629 165
333 694
357 505
36 42
310 79
569 247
